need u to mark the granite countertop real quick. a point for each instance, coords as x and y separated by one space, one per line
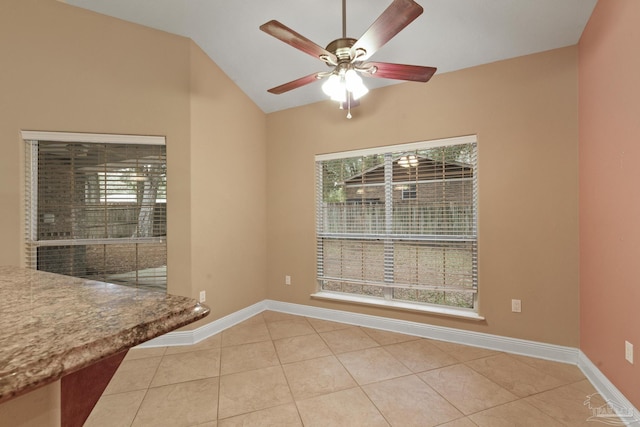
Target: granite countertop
52 325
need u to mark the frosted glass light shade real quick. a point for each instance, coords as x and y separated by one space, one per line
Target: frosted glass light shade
354 84
334 87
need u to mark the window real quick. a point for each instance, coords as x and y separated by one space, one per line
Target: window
408 191
96 207
399 223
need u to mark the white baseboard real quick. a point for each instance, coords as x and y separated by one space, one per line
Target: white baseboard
476 339
210 329
627 412
614 398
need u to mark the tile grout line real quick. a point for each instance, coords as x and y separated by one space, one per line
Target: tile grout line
416 375
283 372
219 382
519 398
356 382
544 370
147 389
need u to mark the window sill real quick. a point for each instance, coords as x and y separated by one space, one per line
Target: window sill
459 313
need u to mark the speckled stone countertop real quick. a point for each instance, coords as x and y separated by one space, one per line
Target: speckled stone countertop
52 325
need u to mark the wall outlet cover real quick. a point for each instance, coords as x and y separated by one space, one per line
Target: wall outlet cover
516 305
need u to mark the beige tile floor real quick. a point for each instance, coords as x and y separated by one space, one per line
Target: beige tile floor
277 369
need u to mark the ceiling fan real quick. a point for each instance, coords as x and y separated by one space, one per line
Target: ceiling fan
348 57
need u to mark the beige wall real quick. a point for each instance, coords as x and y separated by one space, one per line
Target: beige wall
68 69
524 112
39 408
65 69
228 191
609 197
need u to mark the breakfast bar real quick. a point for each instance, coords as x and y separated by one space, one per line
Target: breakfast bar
75 331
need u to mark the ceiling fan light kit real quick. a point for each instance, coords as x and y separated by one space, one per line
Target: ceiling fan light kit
348 56
339 85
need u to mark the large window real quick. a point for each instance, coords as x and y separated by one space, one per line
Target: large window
399 223
96 207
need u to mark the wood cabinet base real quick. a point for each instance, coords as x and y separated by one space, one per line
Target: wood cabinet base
81 390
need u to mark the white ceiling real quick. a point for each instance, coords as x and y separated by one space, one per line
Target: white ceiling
449 35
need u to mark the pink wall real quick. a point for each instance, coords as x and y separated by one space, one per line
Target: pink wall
609 164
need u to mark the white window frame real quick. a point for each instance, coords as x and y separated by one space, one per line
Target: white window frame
31 139
466 313
409 193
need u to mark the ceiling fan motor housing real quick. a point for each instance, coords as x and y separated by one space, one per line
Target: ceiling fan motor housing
341 48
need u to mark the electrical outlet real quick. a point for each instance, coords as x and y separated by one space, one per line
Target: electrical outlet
628 351
203 296
287 280
516 305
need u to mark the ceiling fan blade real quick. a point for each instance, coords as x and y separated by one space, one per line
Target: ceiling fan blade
398 15
302 81
300 42
385 70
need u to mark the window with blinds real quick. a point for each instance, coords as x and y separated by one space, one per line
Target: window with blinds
96 207
400 223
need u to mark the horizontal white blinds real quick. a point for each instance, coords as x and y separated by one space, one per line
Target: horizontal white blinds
399 220
426 210
426 265
97 210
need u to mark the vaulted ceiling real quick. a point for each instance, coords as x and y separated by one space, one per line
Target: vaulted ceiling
449 35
